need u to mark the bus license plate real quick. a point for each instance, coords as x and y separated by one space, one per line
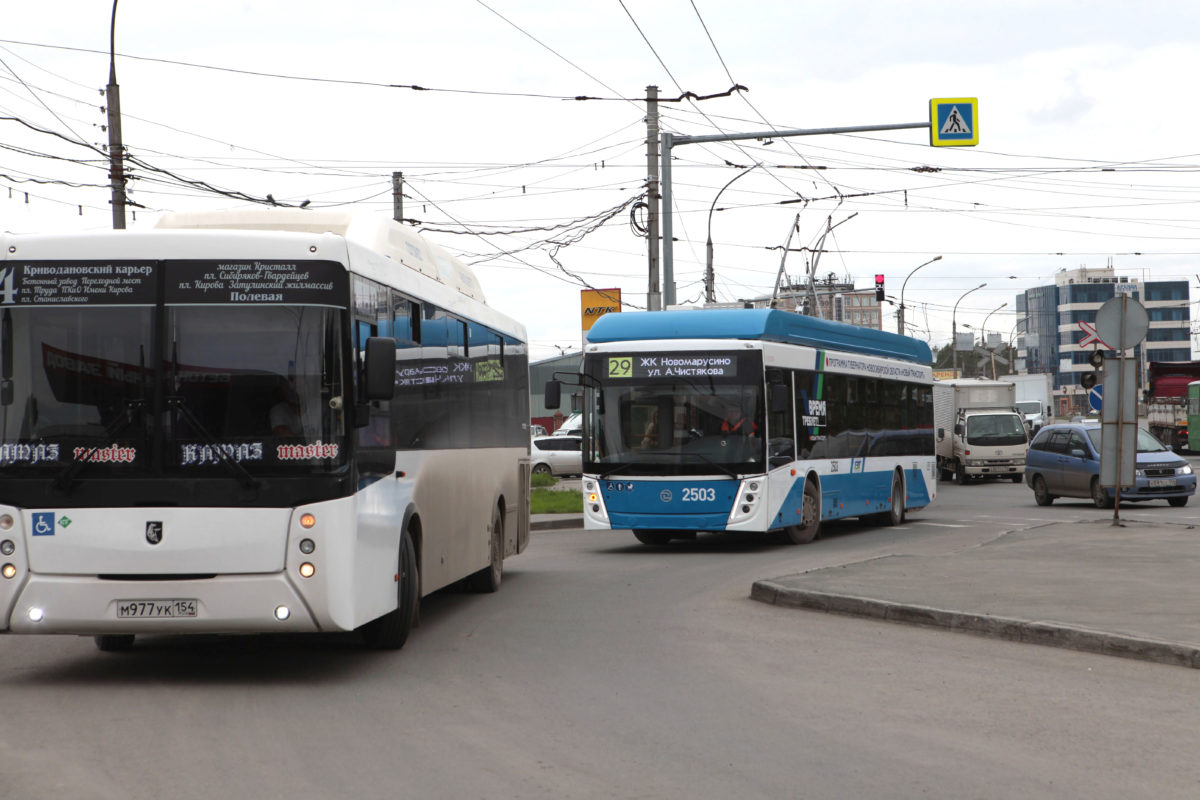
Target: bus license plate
1161 483
149 609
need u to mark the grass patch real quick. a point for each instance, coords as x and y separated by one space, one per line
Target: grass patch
554 501
538 480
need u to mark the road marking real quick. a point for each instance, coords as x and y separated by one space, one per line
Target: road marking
938 524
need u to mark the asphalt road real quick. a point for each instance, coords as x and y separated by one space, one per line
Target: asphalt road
604 668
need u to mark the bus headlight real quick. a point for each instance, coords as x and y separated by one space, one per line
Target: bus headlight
8 570
35 614
6 522
307 570
7 547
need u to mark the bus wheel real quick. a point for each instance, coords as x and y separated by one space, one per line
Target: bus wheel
807 530
655 538
114 642
487 580
390 631
895 515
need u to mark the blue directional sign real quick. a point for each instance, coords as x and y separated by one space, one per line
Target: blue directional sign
1096 396
953 121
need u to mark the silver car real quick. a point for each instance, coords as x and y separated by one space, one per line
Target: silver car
556 455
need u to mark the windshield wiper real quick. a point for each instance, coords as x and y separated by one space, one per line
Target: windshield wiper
236 470
709 461
65 479
611 470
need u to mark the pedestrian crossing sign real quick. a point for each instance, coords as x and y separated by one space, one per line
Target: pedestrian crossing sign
953 121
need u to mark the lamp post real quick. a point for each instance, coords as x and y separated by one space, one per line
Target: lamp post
900 311
983 330
709 280
954 329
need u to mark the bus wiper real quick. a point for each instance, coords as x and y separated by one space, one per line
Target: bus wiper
248 481
709 461
611 470
65 479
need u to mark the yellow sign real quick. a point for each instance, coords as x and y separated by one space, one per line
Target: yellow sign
595 303
954 121
945 374
620 367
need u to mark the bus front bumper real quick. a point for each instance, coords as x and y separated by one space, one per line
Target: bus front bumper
223 604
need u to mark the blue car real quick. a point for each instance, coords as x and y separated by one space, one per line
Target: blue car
1064 461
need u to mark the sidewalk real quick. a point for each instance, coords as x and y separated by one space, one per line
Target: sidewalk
1131 591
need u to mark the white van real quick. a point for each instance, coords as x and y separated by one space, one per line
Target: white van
572 426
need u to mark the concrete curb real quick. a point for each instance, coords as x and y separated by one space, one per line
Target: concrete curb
1044 633
536 524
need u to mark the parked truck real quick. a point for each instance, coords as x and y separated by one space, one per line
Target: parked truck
1034 398
1166 400
979 432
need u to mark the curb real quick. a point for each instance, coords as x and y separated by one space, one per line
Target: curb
555 524
1052 634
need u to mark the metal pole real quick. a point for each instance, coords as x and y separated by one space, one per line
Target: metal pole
116 149
709 278
398 196
669 140
900 311
653 292
954 328
668 248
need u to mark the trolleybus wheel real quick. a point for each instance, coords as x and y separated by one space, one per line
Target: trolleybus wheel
655 538
810 525
895 515
390 631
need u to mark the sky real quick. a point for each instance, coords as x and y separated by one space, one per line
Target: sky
1088 151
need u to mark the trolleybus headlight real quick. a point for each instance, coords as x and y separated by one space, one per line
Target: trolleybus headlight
36 614
753 487
6 522
8 571
282 613
307 521
307 546
307 570
592 497
7 547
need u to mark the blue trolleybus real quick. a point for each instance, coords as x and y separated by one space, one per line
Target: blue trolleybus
751 420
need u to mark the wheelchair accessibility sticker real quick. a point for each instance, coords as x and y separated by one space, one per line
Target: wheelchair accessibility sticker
856 465
43 523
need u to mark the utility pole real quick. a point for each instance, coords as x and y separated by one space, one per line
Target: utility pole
116 150
398 196
653 292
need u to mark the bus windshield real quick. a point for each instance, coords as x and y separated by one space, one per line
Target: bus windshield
256 385
676 418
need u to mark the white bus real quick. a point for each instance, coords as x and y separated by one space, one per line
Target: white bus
751 420
255 421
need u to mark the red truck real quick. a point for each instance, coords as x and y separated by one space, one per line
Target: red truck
1166 400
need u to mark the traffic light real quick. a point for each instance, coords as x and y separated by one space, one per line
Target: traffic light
1087 380
879 288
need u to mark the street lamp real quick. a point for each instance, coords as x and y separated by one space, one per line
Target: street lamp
900 311
954 329
709 287
983 330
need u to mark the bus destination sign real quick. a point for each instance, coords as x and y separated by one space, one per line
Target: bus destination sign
672 365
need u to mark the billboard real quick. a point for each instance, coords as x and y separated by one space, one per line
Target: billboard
595 303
